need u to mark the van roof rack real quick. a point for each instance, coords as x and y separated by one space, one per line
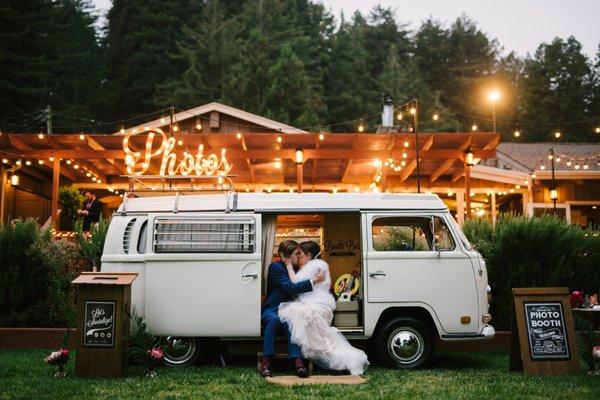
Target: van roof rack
224 184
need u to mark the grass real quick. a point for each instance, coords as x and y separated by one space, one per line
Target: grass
482 375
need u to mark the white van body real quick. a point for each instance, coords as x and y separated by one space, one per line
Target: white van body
209 285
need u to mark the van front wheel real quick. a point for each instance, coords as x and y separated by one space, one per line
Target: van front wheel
181 351
404 343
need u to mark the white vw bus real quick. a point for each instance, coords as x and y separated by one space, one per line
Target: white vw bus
201 260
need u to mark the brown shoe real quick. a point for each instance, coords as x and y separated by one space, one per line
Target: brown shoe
301 370
266 372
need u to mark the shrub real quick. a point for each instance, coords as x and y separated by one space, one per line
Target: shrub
534 252
92 244
71 201
35 275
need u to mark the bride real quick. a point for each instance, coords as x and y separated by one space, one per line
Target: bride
309 318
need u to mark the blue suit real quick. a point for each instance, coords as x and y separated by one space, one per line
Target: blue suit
279 289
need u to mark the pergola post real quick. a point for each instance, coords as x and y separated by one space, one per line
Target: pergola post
3 176
494 211
468 190
460 206
299 176
55 183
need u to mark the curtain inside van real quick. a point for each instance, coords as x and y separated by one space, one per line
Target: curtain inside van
269 222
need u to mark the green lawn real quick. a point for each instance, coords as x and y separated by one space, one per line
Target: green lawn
483 375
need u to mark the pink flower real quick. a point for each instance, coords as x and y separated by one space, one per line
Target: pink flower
156 353
64 352
596 352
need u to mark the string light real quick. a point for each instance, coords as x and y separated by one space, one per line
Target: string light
27 162
585 165
5 161
557 134
279 139
76 166
51 158
577 166
377 163
68 162
474 127
82 137
277 164
569 163
517 133
533 176
413 110
361 127
40 162
542 167
321 136
406 144
41 136
238 135
175 128
180 142
18 162
597 130
436 116
399 116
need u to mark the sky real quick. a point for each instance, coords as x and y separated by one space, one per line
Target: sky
519 25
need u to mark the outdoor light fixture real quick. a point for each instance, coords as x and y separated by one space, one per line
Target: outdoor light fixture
553 194
517 133
399 116
436 116
14 180
41 136
277 164
81 137
557 134
238 135
299 156
494 96
469 159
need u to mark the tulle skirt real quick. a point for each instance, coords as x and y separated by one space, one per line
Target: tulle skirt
310 328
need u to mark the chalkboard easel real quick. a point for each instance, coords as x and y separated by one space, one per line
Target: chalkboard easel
543 338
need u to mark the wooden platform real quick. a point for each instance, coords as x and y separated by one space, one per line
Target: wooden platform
292 380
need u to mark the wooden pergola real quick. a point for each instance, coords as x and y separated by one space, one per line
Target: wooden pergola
267 161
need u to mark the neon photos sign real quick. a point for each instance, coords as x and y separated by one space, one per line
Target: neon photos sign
159 146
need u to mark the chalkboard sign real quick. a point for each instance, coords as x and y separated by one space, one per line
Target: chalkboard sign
546 331
99 324
542 337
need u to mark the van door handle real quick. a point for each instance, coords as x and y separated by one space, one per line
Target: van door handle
376 274
253 276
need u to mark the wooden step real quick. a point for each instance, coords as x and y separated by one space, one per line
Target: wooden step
280 356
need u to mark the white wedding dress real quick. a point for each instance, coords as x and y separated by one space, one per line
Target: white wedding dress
309 319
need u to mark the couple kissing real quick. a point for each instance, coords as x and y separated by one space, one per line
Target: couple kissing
300 304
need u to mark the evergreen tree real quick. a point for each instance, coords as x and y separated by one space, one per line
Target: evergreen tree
558 89
288 98
141 35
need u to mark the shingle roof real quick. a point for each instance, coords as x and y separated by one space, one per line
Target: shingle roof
531 155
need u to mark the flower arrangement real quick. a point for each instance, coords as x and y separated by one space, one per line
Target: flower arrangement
143 347
60 357
577 299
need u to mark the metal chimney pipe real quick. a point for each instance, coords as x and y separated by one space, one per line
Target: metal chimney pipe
387 117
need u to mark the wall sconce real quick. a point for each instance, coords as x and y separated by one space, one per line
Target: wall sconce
299 156
469 159
14 180
553 194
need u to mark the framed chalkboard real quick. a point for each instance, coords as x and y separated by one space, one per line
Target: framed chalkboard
99 324
546 331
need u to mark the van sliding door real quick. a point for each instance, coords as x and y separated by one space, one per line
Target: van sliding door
203 275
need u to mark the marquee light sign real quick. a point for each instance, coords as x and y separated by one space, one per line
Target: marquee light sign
159 146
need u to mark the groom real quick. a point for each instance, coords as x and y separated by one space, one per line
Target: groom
280 289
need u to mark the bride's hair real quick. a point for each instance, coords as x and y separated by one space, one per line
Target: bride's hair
311 248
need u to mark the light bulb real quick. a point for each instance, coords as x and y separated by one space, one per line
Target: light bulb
377 163
5 161
76 166
40 162
81 137
557 134
162 120
557 159
597 129
238 135
399 116
321 136
199 126
68 162
180 142
41 135
533 176
569 163
474 127
404 155
175 128
435 116
550 157
517 133
27 162
18 162
279 139
406 144
361 127
585 166
277 164
51 158
122 131
542 167
413 110
576 166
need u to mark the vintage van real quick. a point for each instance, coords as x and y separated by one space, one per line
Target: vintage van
202 262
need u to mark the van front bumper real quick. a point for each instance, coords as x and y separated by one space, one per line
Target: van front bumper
488 332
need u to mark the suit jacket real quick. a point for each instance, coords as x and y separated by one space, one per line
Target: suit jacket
94 211
280 288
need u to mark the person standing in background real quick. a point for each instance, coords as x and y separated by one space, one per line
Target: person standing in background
91 211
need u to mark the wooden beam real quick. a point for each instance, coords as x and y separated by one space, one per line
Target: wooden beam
97 146
465 145
492 144
408 170
248 162
457 174
22 146
427 145
446 165
232 154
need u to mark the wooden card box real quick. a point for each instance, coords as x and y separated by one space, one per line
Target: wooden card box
103 307
543 338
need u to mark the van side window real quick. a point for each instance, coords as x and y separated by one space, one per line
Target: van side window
143 238
204 235
401 234
442 235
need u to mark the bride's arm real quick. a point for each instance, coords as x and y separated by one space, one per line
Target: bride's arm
290 270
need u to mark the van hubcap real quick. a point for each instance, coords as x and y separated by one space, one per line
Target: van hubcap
179 350
406 345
